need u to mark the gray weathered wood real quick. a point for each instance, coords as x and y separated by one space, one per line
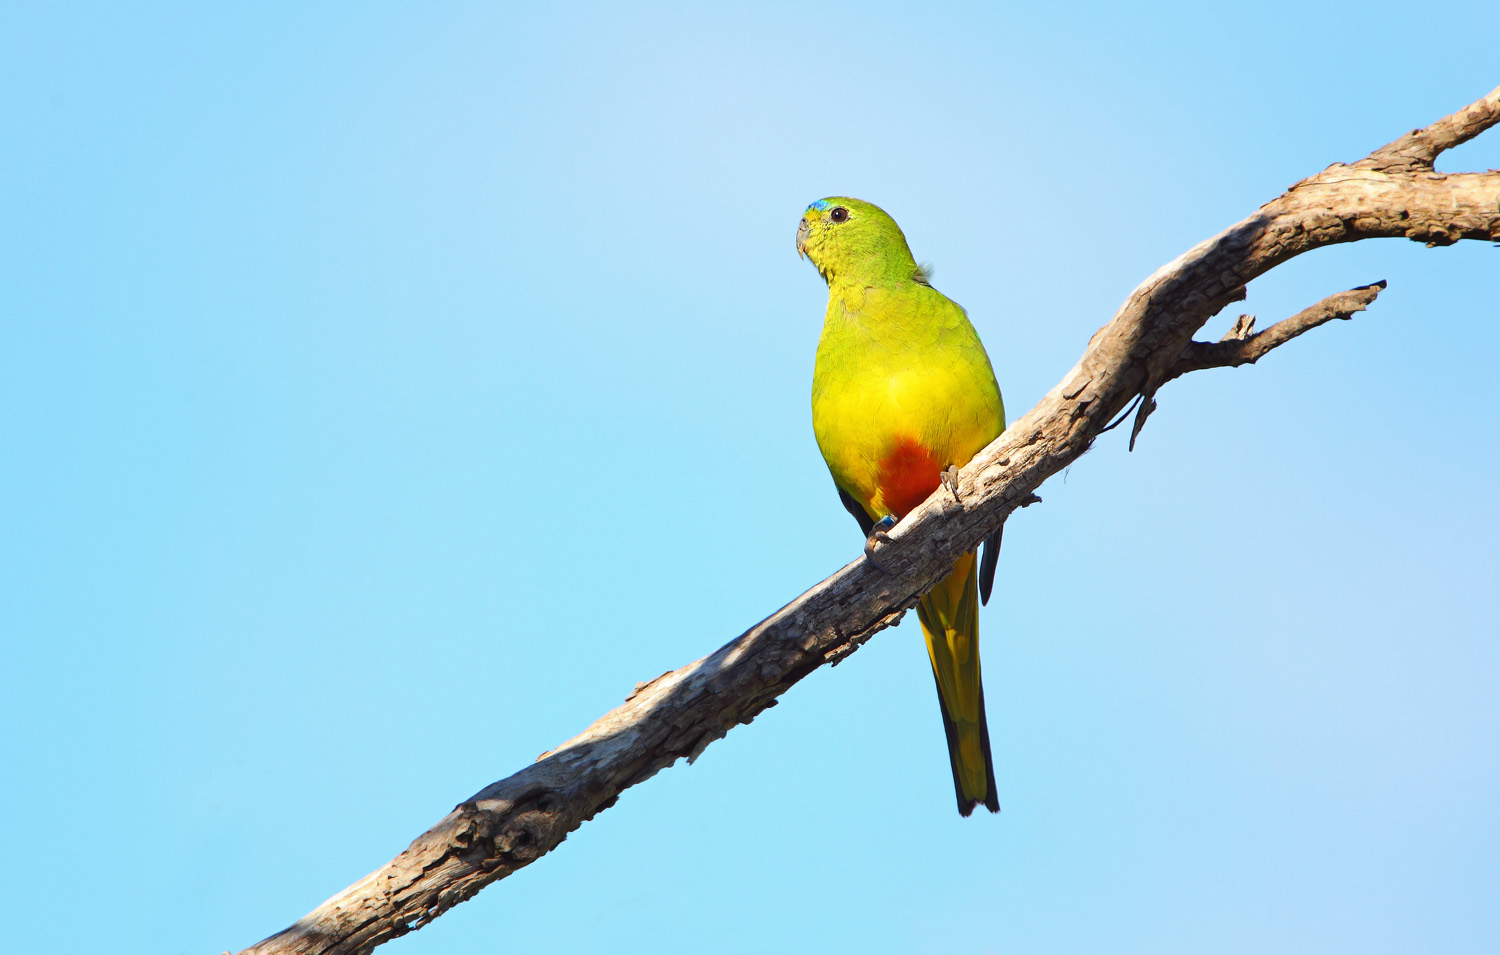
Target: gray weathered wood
1242 345
1394 192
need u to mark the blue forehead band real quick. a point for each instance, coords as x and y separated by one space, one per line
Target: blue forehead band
821 205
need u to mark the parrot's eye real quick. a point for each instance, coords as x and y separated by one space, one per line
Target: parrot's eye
839 214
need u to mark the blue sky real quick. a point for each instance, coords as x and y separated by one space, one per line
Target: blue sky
385 389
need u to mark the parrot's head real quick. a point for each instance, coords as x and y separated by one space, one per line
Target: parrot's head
856 241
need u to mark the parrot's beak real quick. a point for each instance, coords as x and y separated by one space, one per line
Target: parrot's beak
802 228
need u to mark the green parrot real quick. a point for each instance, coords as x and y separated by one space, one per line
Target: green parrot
903 395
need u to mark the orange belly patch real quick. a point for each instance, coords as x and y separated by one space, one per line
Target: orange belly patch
908 474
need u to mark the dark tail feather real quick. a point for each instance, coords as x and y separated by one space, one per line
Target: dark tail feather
992 797
987 564
950 729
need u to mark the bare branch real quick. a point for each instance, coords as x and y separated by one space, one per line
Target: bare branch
511 823
1240 347
1420 148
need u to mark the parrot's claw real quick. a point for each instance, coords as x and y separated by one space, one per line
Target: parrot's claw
950 481
878 537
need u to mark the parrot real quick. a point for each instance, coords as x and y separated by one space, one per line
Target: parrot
903 395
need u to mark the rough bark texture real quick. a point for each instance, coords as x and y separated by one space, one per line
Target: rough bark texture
1394 192
1242 345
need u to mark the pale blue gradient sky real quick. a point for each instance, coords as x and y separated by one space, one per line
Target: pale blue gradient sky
363 364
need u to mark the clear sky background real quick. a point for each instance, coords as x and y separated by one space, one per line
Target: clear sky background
386 388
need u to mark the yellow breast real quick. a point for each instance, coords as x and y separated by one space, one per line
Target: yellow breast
902 389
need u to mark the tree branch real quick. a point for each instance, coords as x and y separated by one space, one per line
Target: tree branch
1420 148
1242 345
1393 192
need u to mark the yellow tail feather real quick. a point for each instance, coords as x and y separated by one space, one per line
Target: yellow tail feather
950 622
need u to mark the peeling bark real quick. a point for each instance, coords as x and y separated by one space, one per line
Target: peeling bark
1394 192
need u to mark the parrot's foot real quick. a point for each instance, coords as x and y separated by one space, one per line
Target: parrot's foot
879 536
950 481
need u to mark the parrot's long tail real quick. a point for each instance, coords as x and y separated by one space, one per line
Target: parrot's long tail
950 622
